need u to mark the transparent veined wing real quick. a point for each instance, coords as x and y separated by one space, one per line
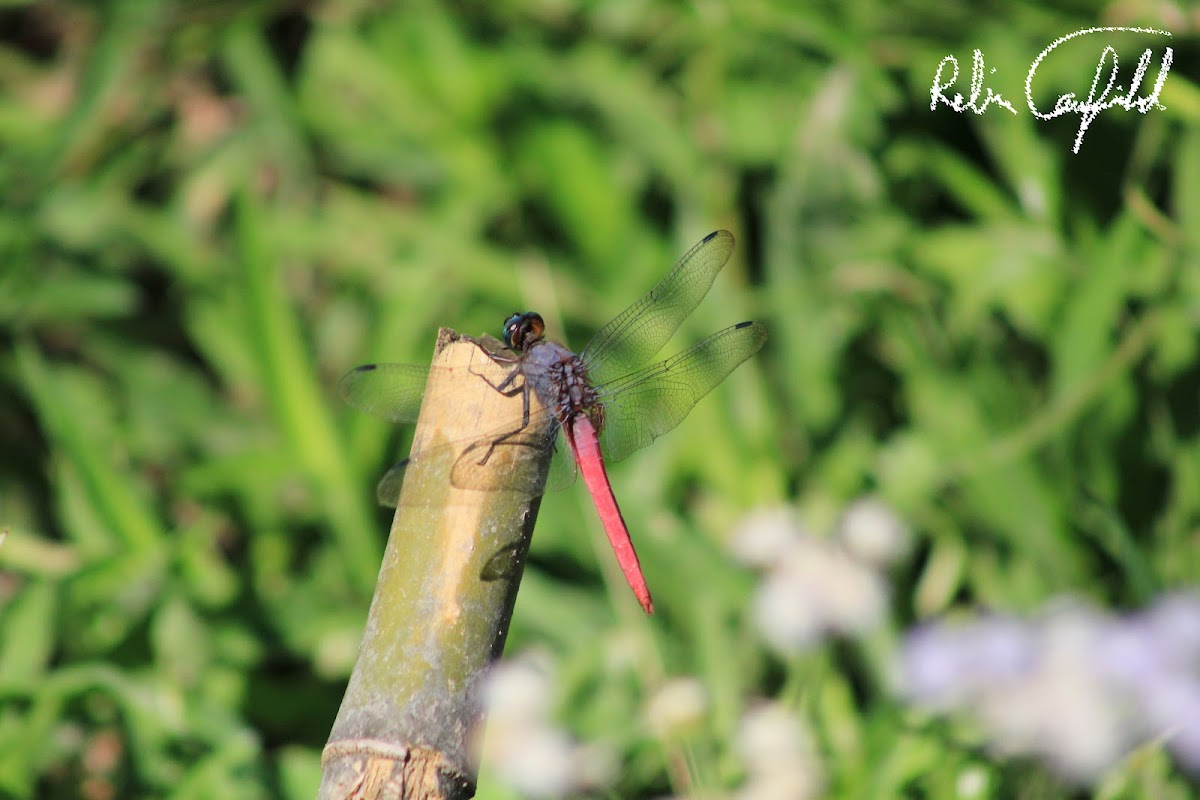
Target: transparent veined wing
641 330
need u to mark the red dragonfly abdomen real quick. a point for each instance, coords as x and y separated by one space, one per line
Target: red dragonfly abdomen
585 446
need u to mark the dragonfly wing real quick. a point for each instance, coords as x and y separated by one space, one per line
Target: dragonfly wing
475 468
647 404
562 468
390 391
641 330
472 469
387 491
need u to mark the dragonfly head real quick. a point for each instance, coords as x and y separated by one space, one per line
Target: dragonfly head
522 330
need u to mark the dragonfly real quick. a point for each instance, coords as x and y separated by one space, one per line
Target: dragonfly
600 405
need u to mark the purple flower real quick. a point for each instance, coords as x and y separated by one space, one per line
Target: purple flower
1075 686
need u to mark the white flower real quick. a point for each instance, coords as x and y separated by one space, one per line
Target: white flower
522 749
785 613
1063 711
793 783
763 537
817 588
595 765
536 761
771 736
677 704
853 596
873 533
518 690
971 782
780 756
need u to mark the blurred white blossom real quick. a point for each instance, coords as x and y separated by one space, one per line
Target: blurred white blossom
813 587
519 690
765 536
785 614
780 756
536 761
1076 687
595 765
972 782
677 704
522 748
789 783
873 533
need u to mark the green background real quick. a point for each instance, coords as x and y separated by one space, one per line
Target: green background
211 210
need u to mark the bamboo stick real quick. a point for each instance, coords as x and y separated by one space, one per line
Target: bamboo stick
444 598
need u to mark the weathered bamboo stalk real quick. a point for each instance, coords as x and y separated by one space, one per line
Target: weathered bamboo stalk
444 599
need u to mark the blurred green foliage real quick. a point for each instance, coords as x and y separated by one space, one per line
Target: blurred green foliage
213 209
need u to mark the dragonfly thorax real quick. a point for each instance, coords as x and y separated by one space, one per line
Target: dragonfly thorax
560 379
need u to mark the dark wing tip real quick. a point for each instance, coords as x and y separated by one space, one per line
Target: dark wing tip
364 368
715 234
762 329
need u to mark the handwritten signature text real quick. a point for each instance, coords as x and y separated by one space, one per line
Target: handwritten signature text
1098 100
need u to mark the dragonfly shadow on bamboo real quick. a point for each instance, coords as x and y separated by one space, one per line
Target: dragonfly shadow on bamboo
600 405
505 563
475 468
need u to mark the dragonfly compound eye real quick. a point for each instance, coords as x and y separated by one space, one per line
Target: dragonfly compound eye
511 327
521 330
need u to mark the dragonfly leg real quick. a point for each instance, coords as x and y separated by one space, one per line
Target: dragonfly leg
505 387
524 389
